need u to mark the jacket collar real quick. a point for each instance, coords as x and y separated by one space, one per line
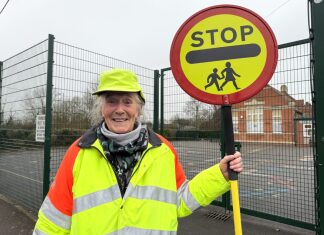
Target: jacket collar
90 136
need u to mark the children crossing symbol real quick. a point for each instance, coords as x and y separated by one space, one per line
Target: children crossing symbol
223 54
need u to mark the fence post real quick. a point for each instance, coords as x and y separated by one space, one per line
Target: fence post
162 99
162 103
1 114
48 114
156 101
317 10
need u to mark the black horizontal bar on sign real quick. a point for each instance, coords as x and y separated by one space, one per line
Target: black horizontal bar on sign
223 53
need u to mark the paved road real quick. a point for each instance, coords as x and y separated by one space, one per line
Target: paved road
277 180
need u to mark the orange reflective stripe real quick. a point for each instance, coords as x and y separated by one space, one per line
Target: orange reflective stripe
60 192
180 175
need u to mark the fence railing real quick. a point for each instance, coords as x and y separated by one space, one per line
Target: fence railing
23 94
274 128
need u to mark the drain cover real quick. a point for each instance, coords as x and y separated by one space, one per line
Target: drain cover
219 215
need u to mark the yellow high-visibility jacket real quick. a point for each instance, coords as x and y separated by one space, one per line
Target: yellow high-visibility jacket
85 197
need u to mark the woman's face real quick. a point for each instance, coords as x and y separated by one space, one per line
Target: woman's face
120 111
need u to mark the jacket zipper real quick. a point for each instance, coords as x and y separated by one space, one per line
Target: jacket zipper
134 170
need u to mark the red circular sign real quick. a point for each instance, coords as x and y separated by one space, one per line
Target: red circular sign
228 46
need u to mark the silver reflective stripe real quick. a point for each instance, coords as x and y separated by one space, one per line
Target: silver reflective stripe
185 194
95 199
152 193
141 231
38 232
54 215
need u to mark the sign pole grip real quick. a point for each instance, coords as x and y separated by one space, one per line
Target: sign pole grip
229 136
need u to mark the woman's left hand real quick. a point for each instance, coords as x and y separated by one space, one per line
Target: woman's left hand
233 162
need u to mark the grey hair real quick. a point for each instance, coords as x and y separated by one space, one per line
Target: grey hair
95 114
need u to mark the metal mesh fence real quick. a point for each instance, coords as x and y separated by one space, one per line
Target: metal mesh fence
274 129
75 78
193 127
22 99
23 102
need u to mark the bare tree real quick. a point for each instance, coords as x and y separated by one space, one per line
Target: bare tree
213 120
73 112
35 102
2 114
11 119
177 122
197 111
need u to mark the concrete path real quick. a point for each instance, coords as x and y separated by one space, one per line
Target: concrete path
210 220
213 220
14 220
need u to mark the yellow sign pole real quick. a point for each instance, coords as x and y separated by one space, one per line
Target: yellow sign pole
236 207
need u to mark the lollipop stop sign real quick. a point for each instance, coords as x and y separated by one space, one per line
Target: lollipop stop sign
223 55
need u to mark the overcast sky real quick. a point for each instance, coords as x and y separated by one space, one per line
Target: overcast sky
139 32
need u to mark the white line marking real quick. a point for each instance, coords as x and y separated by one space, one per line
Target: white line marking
25 177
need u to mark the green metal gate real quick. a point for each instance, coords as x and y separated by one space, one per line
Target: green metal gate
274 129
45 102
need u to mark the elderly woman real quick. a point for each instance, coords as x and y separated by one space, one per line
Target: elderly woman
122 178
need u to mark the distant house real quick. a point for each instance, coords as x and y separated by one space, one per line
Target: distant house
273 116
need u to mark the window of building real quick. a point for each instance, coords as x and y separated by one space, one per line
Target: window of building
307 129
235 122
255 120
276 121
